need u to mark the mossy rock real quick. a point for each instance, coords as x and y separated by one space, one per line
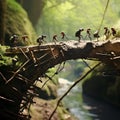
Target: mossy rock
103 84
17 22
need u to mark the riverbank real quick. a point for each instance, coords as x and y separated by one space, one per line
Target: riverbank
43 109
46 102
103 83
85 107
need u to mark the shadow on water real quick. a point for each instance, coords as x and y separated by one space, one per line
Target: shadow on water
102 110
84 107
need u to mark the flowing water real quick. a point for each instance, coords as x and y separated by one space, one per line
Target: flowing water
84 107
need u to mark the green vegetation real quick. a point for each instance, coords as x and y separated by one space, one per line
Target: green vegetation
17 22
103 84
4 60
72 70
70 15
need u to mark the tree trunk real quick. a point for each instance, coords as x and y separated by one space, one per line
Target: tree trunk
107 52
2 21
34 9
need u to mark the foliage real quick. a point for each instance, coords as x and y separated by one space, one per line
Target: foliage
70 15
51 73
32 8
4 60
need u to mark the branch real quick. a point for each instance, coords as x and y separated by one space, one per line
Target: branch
50 54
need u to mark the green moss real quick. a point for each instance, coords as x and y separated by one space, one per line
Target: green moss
17 22
105 87
15 7
63 113
4 60
8 60
3 49
51 72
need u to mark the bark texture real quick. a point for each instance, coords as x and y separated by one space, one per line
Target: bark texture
2 20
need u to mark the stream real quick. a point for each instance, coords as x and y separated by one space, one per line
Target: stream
84 107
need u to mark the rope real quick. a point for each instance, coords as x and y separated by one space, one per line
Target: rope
59 69
103 16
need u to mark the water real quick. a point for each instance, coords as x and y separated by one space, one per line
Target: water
84 107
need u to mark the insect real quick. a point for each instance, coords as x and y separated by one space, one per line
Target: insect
88 31
40 39
106 33
113 31
25 38
13 40
55 38
78 34
64 35
96 35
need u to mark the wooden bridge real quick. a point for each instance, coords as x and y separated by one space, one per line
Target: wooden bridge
36 60
48 55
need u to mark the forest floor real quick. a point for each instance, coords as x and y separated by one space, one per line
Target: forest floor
42 109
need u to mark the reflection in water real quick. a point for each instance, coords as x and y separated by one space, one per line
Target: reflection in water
86 108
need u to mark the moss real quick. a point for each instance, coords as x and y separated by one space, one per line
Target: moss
4 60
49 91
103 83
95 83
63 114
17 22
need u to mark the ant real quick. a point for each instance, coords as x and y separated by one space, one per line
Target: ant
107 32
96 35
113 31
88 33
25 38
40 39
14 39
63 35
55 38
78 33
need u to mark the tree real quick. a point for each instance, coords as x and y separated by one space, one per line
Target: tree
2 20
34 8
